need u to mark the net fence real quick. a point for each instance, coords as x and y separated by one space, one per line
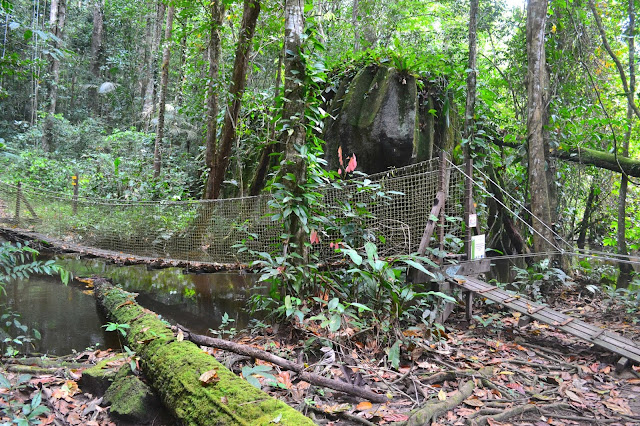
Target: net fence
206 231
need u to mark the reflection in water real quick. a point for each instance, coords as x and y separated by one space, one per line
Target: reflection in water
196 301
66 318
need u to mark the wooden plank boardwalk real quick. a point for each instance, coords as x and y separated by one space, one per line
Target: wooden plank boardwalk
598 336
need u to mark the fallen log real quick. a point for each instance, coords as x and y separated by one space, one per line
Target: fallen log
176 370
314 379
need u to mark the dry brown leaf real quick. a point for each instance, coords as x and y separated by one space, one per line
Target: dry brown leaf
210 376
572 396
473 402
618 408
364 405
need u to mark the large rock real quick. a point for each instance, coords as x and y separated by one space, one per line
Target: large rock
382 116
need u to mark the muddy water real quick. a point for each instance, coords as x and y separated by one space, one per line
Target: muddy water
68 319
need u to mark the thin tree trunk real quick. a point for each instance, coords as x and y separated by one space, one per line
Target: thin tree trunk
57 19
623 78
586 217
536 88
468 131
236 90
149 107
164 82
97 51
215 48
273 146
625 268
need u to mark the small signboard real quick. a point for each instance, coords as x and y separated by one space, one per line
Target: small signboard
473 220
477 247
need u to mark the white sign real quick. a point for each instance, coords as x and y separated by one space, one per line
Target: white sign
477 247
473 220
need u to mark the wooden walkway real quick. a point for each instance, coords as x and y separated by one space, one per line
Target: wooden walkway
606 339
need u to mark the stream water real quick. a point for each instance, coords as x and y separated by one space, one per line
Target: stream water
67 317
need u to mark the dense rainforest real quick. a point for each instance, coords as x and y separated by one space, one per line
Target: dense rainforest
159 102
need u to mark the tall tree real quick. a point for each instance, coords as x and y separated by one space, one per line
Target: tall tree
625 268
469 110
57 18
217 12
97 52
149 83
537 82
164 83
293 135
236 91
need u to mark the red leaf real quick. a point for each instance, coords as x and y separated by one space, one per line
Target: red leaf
313 237
352 164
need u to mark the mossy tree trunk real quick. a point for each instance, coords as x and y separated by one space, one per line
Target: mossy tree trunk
174 369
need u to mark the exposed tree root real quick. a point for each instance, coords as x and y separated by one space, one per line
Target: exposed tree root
427 414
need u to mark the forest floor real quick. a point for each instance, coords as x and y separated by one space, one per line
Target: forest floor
531 375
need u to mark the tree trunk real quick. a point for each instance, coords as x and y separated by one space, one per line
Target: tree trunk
97 53
196 388
625 268
469 124
536 90
217 16
150 93
273 146
586 217
293 135
164 82
57 19
236 90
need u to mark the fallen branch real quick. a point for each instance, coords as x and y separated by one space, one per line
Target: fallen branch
484 373
515 411
504 415
314 379
430 412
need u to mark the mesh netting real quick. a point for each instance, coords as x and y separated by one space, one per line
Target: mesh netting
206 231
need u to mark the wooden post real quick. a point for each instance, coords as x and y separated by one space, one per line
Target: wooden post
18 197
74 182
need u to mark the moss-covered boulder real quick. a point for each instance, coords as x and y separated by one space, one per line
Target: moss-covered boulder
175 370
388 118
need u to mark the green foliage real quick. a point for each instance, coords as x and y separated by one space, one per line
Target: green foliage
120 328
623 300
225 328
538 280
20 412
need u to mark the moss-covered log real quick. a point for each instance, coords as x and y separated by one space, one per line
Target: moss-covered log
604 160
174 369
